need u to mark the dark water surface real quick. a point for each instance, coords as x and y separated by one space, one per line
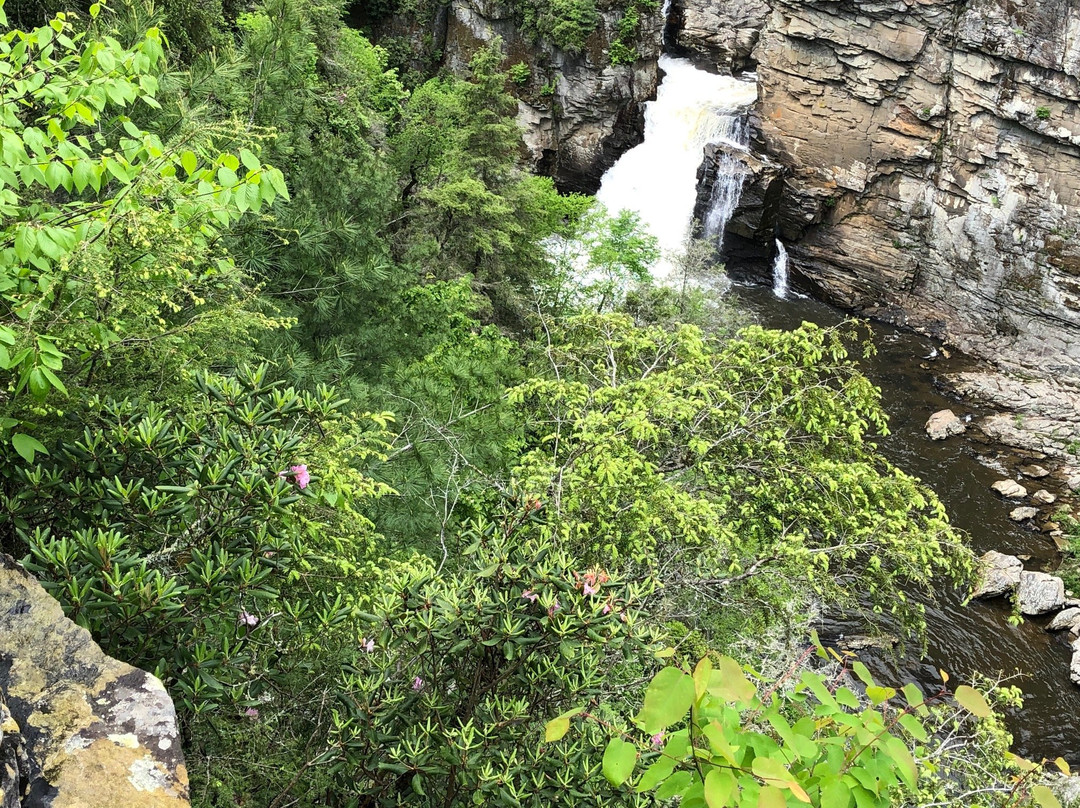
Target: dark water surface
977 637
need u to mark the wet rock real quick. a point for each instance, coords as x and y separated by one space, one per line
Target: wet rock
1022 513
1050 527
999 574
1010 489
1074 665
750 234
944 424
1073 483
1060 542
1039 593
1044 497
1034 471
89 731
1066 618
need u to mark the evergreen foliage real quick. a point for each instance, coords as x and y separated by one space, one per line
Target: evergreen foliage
301 409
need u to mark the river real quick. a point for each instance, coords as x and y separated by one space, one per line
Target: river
657 180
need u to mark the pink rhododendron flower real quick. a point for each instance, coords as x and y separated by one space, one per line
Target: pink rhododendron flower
247 619
418 684
529 595
606 609
554 607
300 474
657 740
588 589
251 713
368 645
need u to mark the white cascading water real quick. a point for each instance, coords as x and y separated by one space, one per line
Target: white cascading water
780 271
727 186
658 178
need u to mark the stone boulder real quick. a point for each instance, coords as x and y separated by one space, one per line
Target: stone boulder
999 574
1065 619
1035 471
1039 593
80 729
1023 513
1044 497
1010 489
944 424
1074 665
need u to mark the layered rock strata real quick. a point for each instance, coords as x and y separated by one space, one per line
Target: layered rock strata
722 35
932 157
78 729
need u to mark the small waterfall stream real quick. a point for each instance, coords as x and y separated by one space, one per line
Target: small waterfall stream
780 271
657 180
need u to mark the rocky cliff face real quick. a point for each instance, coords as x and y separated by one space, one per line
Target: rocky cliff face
723 35
578 111
932 158
78 729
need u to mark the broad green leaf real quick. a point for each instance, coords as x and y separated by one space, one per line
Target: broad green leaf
770 770
972 700
667 700
189 162
836 794
674 786
27 446
771 797
1044 797
730 683
619 759
720 785
702 672
862 672
556 728
879 695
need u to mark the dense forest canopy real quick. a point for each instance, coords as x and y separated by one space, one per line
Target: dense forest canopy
303 409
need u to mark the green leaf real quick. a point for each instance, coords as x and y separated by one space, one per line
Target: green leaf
730 683
1043 796
720 784
619 759
879 695
771 797
27 446
667 700
189 162
556 728
972 700
674 786
862 672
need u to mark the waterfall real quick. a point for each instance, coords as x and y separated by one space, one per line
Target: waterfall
658 178
780 271
727 186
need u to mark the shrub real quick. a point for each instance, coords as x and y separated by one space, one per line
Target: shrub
445 698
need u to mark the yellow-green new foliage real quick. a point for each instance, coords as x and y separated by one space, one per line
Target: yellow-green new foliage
728 459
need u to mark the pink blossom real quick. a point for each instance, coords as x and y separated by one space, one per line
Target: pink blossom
417 684
657 740
588 589
529 595
252 713
368 645
554 607
300 473
606 609
247 619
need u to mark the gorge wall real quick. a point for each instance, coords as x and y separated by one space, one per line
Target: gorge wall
931 153
578 112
